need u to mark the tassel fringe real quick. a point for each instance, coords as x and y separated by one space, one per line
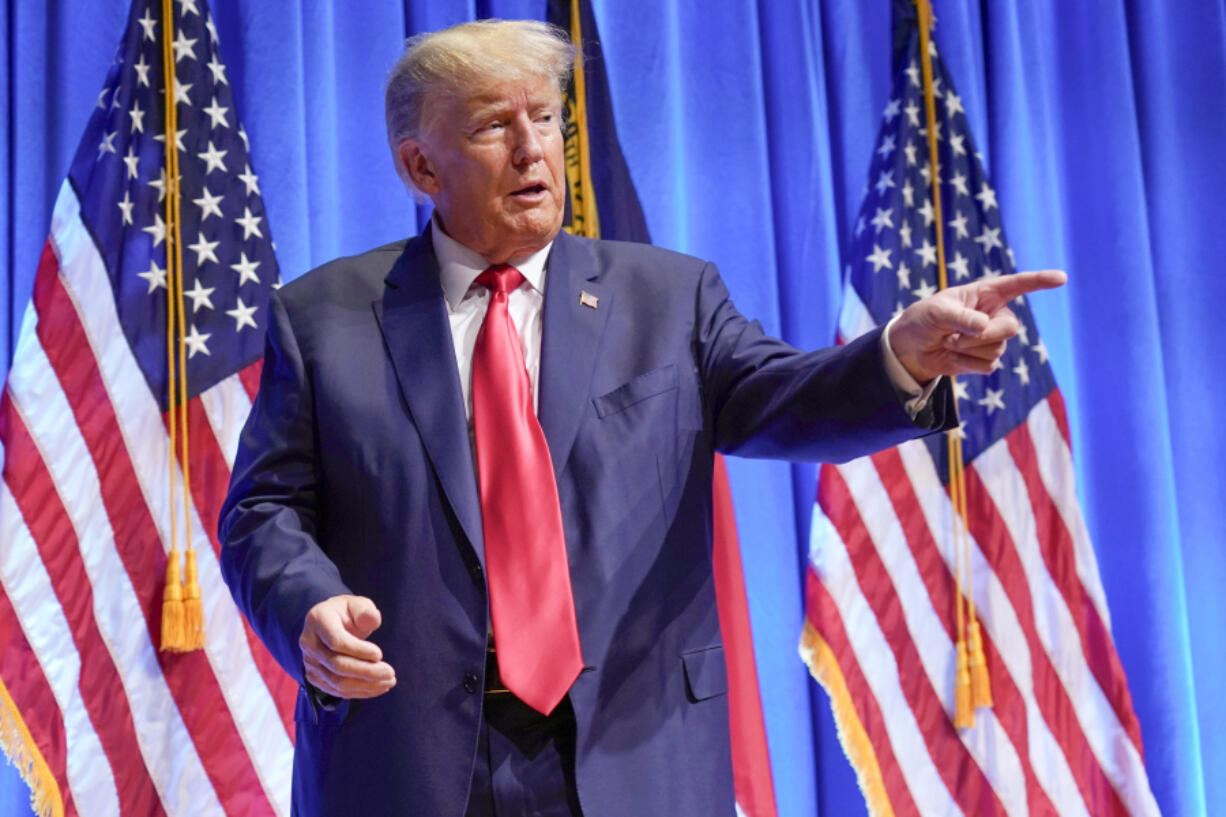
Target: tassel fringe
964 713
182 611
193 610
172 606
981 688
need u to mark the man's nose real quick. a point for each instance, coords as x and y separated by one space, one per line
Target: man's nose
528 148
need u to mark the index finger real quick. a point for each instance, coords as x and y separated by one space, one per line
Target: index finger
997 291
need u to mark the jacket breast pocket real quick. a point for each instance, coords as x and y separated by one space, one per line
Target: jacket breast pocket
636 390
615 463
650 425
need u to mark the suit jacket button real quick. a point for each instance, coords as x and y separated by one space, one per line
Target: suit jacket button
470 682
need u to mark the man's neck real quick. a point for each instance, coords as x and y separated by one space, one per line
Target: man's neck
459 265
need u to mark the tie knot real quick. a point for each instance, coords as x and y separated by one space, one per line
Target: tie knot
501 278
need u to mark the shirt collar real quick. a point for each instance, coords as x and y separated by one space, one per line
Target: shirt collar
459 266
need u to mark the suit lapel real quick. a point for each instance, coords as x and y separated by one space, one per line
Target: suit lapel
413 318
571 337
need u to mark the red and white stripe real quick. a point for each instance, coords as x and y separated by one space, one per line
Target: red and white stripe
1061 737
84 509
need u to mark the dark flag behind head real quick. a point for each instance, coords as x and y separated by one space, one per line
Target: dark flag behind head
908 571
603 204
100 720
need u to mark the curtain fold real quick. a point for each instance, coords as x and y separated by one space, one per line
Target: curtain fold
748 127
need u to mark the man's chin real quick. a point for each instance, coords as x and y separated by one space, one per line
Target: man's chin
523 240
534 227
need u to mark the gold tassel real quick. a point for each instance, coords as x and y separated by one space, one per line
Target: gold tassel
964 714
981 688
193 609
172 606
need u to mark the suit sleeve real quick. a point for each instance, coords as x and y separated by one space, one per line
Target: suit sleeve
271 558
768 399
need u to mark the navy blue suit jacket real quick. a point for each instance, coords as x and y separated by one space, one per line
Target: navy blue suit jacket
355 475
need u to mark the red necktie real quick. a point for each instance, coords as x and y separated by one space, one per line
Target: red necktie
531 605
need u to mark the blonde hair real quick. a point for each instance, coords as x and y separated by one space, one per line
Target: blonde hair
466 58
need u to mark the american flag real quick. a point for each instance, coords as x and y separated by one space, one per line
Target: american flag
101 722
880 634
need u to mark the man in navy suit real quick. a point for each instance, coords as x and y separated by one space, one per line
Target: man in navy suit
358 527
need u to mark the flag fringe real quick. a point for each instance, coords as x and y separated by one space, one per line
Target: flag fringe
824 668
23 752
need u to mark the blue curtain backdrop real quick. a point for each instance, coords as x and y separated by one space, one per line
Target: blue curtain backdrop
748 127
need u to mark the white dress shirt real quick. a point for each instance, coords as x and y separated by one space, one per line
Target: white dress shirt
467 302
917 395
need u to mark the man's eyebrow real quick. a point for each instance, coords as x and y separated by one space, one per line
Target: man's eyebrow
479 108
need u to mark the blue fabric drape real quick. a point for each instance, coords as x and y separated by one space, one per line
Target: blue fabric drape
747 126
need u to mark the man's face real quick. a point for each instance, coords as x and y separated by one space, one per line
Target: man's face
492 162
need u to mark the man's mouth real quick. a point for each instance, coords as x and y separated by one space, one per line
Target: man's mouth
530 191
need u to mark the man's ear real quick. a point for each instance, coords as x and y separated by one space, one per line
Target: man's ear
418 165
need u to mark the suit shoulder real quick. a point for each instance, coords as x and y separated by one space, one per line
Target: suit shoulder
348 280
643 268
647 255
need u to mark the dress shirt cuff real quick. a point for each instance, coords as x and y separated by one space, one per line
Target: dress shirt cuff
915 396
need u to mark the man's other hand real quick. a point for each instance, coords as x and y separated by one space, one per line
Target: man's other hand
963 329
336 655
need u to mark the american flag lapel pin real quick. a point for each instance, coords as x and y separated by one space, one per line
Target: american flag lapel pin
588 299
